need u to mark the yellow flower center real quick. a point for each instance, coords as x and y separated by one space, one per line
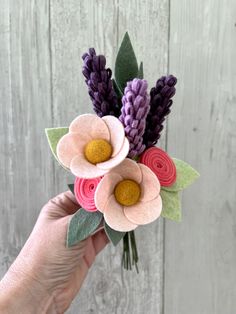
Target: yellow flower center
98 151
127 192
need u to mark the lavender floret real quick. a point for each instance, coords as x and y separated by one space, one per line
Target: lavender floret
99 82
160 104
133 114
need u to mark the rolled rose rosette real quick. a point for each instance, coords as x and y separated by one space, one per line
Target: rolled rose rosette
84 190
161 164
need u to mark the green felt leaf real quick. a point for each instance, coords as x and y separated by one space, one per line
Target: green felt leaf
140 71
171 206
71 188
53 136
186 175
82 225
113 236
117 89
126 66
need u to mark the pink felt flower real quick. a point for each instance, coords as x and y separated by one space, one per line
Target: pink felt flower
161 164
86 129
108 200
84 190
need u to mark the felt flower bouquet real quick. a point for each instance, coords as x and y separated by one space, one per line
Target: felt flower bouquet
122 180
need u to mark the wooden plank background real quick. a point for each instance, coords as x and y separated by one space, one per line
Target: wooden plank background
184 268
200 253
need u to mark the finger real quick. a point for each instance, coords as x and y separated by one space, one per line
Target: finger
62 205
78 278
94 245
100 240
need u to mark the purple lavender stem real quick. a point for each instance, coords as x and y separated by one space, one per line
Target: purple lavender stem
133 114
99 82
160 104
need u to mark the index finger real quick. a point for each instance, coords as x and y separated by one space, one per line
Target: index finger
62 205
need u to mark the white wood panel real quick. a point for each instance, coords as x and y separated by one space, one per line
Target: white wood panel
25 111
147 23
200 253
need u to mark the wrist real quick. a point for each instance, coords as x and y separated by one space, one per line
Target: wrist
21 293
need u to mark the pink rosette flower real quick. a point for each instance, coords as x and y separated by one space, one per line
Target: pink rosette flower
93 146
161 164
128 196
84 190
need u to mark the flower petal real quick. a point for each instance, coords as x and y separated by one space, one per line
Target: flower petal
150 185
144 212
71 145
115 218
105 189
81 168
116 160
117 133
90 124
129 169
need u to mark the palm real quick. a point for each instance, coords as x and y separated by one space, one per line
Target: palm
59 269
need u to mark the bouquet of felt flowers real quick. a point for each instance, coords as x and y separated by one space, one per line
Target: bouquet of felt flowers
122 180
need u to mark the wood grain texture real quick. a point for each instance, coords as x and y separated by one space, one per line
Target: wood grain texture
25 163
75 26
41 85
200 252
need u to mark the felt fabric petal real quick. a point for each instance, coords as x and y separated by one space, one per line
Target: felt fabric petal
129 169
105 189
69 146
161 164
115 218
116 160
143 213
81 168
117 133
92 125
84 190
150 185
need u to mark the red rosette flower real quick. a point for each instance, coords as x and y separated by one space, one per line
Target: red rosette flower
84 190
161 164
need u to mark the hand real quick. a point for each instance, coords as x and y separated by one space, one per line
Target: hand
46 276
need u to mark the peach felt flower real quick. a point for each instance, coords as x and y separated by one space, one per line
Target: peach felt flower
93 145
128 196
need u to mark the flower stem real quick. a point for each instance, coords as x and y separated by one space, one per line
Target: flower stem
134 250
130 253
